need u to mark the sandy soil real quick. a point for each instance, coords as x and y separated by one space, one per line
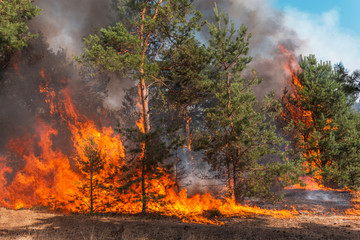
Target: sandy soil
31 224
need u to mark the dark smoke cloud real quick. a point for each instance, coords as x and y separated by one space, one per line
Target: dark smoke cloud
65 22
265 24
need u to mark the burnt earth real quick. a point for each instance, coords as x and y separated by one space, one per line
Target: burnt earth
31 224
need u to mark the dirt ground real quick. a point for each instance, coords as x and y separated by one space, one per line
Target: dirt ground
320 217
32 224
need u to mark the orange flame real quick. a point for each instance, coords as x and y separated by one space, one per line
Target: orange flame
48 177
310 184
299 115
355 210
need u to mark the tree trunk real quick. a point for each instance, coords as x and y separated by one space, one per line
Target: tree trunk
146 122
177 184
229 114
236 188
228 181
91 194
144 103
143 188
189 141
144 94
144 110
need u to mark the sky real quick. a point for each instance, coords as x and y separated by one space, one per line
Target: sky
330 29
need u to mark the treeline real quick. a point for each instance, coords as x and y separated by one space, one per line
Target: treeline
196 94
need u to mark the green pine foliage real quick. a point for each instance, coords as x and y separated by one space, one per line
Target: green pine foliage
180 104
349 81
14 33
345 170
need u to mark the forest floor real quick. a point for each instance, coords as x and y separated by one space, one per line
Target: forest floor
320 217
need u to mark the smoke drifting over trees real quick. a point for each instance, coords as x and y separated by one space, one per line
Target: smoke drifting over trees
65 23
268 32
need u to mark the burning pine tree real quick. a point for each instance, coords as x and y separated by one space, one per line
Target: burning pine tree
319 108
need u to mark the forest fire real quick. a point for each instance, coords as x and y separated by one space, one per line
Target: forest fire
297 114
310 184
355 210
48 177
176 122
291 67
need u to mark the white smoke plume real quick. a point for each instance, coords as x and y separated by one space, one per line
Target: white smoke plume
324 37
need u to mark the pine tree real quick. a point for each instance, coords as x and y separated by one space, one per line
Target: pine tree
345 169
139 177
14 33
134 48
320 110
238 132
91 164
349 81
